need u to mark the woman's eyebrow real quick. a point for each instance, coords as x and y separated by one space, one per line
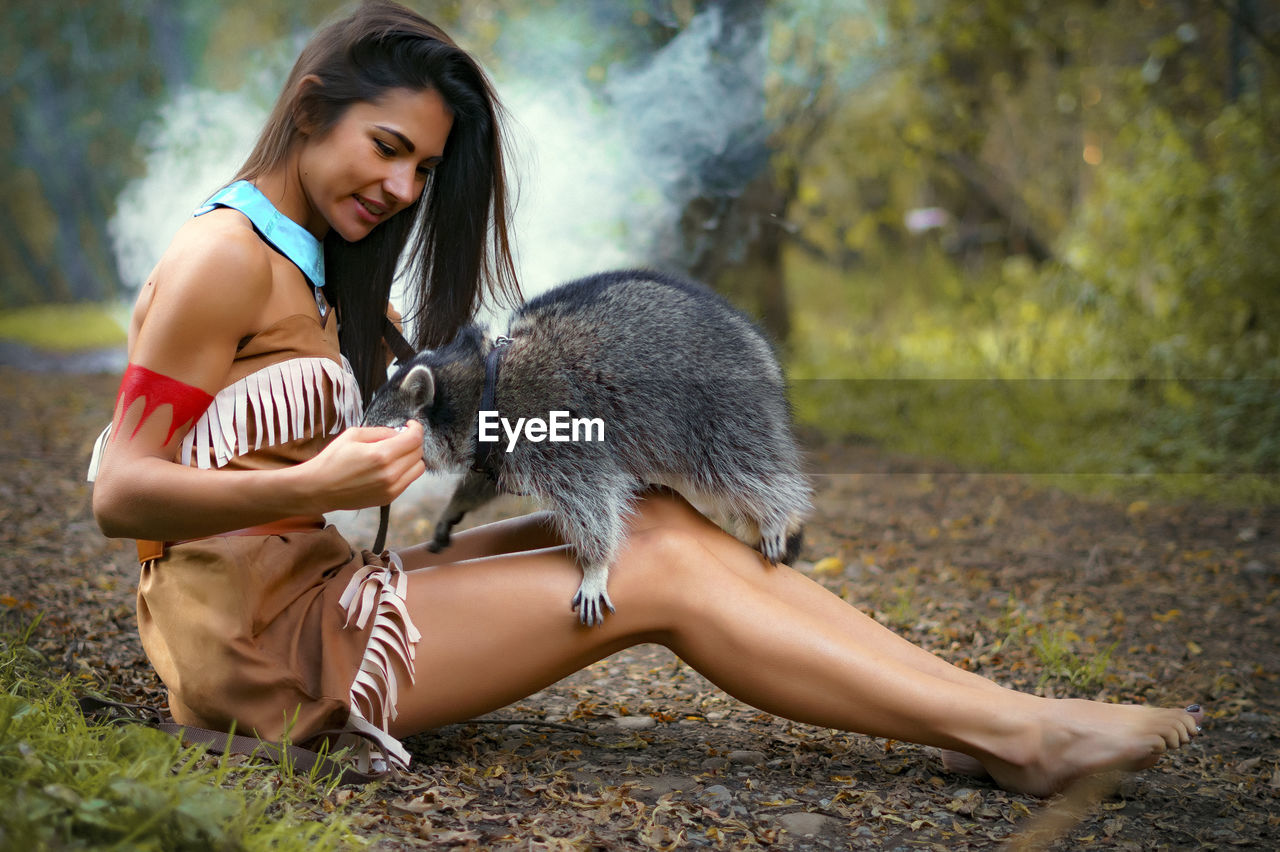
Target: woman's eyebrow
404 140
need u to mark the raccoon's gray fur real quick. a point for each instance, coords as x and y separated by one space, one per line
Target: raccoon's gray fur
689 391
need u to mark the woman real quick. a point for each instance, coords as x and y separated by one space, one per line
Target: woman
235 431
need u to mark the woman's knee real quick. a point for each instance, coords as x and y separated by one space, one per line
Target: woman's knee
671 562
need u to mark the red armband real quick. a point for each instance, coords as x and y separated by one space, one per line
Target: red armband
188 402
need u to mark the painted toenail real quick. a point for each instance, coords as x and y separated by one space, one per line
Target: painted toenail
1194 708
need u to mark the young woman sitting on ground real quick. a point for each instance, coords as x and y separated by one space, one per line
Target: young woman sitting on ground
252 347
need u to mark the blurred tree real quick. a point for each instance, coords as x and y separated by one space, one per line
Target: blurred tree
80 79
778 62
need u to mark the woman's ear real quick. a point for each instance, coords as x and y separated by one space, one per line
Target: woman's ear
304 117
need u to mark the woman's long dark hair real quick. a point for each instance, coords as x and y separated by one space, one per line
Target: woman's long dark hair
458 226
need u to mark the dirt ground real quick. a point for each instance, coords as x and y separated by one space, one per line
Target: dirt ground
999 574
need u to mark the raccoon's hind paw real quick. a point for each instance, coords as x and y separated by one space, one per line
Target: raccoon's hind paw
794 542
591 600
774 547
443 535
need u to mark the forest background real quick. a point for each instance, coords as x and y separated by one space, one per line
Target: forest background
1011 235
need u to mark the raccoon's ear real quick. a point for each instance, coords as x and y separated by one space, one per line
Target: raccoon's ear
419 386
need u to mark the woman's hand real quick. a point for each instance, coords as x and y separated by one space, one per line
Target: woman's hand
364 466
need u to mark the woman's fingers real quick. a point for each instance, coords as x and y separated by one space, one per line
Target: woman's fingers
410 434
370 465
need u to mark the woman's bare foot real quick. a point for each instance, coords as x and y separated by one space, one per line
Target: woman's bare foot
959 763
1075 738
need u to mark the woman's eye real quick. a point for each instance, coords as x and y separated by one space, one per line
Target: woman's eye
383 148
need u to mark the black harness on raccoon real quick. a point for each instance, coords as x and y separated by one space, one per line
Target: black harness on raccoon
485 450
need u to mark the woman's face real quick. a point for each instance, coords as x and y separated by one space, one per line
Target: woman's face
374 162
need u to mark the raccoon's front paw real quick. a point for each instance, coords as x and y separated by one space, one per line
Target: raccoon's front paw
591 599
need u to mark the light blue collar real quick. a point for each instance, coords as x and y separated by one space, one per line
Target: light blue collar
285 235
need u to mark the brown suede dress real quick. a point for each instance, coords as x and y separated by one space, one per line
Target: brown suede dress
292 633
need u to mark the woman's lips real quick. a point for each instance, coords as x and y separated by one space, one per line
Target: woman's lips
368 210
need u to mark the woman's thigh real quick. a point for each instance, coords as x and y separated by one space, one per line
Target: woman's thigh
512 535
498 628
658 507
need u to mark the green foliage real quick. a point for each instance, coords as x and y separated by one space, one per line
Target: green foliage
1180 244
903 612
1057 649
71 784
1156 325
1103 304
999 370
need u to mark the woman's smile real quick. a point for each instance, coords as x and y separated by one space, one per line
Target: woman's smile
370 211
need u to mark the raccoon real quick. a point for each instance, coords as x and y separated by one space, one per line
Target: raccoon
686 390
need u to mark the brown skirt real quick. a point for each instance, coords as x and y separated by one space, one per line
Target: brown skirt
271 633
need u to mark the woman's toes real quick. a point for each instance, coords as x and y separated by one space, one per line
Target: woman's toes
959 763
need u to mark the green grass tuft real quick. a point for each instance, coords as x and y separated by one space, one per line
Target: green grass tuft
1060 660
69 783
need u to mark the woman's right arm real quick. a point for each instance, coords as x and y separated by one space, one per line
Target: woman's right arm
210 293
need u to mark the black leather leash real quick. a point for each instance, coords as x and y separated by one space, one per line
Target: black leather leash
485 450
483 462
403 352
400 348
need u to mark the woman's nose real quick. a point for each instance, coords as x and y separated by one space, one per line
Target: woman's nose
401 184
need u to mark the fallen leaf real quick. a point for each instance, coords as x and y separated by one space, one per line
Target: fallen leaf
828 567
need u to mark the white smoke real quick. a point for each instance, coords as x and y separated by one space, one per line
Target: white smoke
196 143
613 166
603 172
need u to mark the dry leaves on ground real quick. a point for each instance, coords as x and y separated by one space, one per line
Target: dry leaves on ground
996 573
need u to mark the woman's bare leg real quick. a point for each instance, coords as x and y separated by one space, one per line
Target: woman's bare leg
665 509
498 629
671 509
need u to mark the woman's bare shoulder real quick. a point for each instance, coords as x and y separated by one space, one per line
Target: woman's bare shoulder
213 280
219 249
215 261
